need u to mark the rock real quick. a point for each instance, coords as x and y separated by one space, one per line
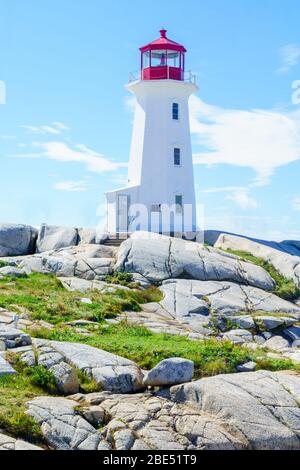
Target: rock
277 343
12 271
91 236
28 358
13 337
195 300
267 322
9 443
94 415
246 367
158 258
5 367
52 237
62 428
296 343
266 334
86 300
260 410
111 372
284 256
2 345
66 378
170 371
238 336
123 439
259 339
17 239
243 321
292 332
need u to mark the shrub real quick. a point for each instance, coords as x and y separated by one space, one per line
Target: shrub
42 377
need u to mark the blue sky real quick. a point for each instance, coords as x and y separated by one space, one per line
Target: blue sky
65 129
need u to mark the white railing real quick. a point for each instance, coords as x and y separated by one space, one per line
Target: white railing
187 76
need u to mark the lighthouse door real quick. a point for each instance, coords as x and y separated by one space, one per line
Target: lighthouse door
122 213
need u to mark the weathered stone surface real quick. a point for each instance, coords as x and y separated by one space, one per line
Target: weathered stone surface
9 443
13 337
243 321
17 239
171 371
196 299
238 336
5 367
159 258
110 371
277 343
62 428
66 378
12 271
261 409
91 236
293 332
52 237
270 323
246 367
284 256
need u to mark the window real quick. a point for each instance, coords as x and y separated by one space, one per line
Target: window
179 203
177 161
175 111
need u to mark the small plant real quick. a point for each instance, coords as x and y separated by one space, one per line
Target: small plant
122 279
42 377
3 264
22 426
86 384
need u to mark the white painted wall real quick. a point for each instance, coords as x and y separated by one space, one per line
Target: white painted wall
155 134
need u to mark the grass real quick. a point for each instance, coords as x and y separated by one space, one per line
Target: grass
122 279
210 356
44 298
285 288
3 264
15 391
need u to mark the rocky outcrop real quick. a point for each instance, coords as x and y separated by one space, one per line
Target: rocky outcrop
171 371
9 443
109 371
52 237
62 428
17 239
259 410
195 302
253 410
284 256
159 258
5 368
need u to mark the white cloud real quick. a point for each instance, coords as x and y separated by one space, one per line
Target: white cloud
289 57
296 203
238 194
243 200
60 151
71 186
55 128
259 139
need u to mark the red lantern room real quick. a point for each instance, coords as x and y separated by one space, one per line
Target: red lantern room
162 59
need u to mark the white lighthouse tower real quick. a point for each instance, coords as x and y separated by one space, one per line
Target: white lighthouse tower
159 195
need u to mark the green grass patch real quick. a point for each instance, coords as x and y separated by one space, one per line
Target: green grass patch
285 288
122 279
147 349
3 264
15 391
44 298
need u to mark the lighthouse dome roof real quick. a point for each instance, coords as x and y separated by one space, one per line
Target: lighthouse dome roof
163 42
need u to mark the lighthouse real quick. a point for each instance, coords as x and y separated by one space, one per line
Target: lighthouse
159 195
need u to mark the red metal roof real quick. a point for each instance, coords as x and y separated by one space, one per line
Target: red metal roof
163 42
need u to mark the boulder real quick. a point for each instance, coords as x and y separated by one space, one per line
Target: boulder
91 236
171 371
246 367
238 336
284 256
195 300
61 427
277 343
158 257
17 239
260 409
293 333
12 271
66 378
52 237
5 367
10 443
267 322
111 372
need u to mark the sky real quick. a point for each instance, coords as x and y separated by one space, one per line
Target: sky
65 127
